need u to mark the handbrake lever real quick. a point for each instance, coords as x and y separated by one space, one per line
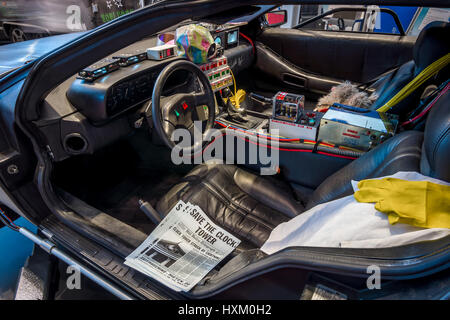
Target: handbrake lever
150 212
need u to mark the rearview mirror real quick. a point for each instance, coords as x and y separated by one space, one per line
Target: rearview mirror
276 18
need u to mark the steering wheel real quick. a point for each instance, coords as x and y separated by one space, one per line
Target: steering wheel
180 110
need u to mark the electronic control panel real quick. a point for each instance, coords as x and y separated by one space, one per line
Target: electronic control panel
163 52
289 118
225 35
99 69
355 127
218 72
126 59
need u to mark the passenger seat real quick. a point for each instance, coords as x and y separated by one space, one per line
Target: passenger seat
431 44
250 206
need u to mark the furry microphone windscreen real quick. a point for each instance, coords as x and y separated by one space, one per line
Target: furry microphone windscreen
348 94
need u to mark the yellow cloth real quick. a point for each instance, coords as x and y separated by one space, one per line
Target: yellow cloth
418 203
237 98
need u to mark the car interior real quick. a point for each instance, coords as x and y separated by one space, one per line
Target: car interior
110 147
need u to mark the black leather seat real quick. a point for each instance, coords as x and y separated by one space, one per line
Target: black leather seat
431 44
250 206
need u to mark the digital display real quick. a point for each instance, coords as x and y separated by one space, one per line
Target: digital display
232 37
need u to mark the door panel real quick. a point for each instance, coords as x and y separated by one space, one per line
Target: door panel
333 56
288 74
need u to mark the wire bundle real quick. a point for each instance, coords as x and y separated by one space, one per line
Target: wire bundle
7 221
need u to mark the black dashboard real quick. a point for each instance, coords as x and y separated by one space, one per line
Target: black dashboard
79 116
117 92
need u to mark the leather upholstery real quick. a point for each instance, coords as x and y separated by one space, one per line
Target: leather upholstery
392 83
270 63
244 204
400 153
436 144
431 44
250 206
313 50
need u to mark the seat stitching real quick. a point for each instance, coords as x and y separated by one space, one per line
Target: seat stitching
235 207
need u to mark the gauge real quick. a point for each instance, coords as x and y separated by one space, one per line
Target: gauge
218 41
232 37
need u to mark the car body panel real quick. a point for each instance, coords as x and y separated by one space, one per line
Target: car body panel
17 54
46 74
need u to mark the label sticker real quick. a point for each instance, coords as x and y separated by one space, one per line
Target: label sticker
183 248
322 292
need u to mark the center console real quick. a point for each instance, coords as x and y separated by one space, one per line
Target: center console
303 159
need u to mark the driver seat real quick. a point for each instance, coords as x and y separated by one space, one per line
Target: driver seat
250 206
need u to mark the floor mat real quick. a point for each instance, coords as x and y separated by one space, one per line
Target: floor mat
127 210
114 179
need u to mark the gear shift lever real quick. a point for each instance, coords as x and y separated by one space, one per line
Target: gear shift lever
238 115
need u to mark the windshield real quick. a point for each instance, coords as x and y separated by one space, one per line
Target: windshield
38 18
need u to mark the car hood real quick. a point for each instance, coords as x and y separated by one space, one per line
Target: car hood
17 54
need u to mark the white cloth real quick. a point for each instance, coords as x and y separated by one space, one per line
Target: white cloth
348 223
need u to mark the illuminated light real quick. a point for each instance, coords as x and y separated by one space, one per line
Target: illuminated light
185 106
177 113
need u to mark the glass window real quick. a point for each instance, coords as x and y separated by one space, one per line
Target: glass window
356 19
368 19
424 16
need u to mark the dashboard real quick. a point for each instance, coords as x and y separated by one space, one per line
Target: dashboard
117 92
80 116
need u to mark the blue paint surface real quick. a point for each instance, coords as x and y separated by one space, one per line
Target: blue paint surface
388 25
14 250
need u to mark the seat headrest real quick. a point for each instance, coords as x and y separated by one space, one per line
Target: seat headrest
431 44
435 160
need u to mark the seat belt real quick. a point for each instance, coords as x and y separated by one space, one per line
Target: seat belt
423 76
364 86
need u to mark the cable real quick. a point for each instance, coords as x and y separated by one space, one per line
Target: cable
234 81
323 148
423 76
283 139
249 40
7 221
239 95
424 111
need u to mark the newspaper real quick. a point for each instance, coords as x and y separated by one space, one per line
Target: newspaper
183 248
